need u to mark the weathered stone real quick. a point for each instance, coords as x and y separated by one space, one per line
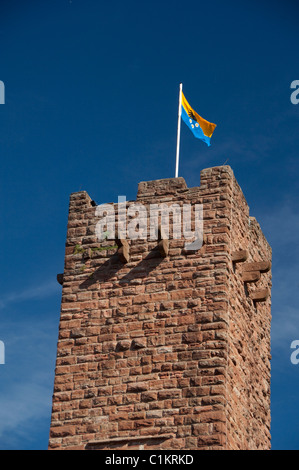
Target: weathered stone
239 256
262 266
123 250
163 246
139 343
123 345
260 295
251 276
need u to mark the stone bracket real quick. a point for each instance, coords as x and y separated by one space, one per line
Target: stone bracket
123 250
251 276
60 279
163 244
262 266
239 256
259 295
251 272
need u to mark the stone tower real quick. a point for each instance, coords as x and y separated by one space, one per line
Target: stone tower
159 347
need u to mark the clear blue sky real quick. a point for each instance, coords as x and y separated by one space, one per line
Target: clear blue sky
91 104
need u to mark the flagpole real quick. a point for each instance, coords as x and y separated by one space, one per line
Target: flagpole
179 133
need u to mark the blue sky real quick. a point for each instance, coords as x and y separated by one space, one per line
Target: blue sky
91 92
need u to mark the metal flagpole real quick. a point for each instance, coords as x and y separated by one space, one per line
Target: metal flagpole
179 133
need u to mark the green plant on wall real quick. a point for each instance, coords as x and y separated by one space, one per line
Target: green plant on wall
103 248
78 249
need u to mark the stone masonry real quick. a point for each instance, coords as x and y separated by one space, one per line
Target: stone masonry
164 348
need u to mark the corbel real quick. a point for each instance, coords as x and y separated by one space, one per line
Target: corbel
163 243
123 250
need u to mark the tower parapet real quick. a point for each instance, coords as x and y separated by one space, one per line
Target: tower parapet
160 347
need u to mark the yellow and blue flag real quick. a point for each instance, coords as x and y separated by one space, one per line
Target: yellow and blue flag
201 128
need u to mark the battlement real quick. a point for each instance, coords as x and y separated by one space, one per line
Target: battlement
160 347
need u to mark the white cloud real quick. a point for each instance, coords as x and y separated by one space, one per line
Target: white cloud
27 403
40 291
27 380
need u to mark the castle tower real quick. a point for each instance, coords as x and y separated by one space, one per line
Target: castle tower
160 347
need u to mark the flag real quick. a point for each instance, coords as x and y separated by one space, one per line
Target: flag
201 128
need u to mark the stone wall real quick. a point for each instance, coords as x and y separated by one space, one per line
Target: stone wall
165 351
